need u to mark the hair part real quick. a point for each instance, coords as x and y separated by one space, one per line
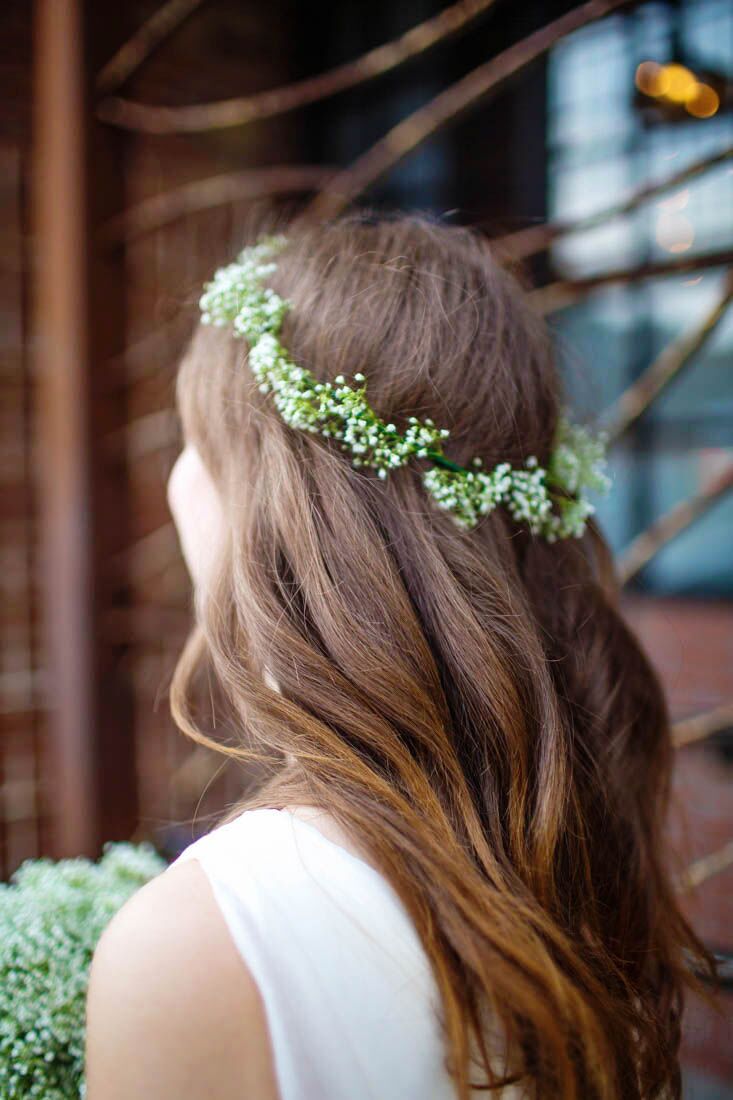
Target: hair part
470 704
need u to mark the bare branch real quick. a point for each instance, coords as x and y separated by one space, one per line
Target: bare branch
149 625
668 526
146 39
148 434
706 867
448 106
252 183
150 556
536 238
157 350
566 292
151 433
668 364
276 101
691 730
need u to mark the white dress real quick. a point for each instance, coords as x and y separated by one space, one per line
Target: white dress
348 992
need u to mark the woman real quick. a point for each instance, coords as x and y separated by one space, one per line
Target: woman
454 873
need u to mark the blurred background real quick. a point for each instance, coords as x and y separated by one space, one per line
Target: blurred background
592 142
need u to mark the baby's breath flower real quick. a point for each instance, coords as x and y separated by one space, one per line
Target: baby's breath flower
578 460
336 410
51 917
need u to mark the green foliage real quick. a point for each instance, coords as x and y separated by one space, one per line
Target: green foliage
51 917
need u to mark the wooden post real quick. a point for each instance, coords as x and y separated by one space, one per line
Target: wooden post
89 779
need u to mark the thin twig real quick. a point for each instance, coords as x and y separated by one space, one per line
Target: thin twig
668 526
146 39
149 556
147 434
447 106
566 292
154 351
536 238
700 870
668 365
252 183
152 624
691 730
276 101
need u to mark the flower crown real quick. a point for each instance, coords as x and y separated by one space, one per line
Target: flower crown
237 296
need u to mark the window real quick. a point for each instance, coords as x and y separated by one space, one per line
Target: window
605 140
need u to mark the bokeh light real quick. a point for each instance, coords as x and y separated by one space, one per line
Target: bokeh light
703 101
678 83
649 79
675 232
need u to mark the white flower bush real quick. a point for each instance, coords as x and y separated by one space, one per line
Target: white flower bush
51 917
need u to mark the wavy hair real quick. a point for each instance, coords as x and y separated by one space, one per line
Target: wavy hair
469 704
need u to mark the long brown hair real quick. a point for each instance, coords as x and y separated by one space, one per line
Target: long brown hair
470 705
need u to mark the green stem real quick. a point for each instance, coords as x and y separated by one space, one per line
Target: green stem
440 460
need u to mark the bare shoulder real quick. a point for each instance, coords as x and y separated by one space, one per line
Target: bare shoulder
172 1008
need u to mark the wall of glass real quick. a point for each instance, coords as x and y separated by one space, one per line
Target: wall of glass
606 138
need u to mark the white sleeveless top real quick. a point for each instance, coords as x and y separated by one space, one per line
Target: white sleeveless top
348 992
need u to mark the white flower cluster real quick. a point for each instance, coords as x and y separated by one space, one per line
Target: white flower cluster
470 494
51 918
578 459
236 296
336 410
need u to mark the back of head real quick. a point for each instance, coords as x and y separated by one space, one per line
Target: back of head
469 702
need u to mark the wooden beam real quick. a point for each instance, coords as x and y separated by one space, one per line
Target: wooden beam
89 789
648 543
447 107
203 117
